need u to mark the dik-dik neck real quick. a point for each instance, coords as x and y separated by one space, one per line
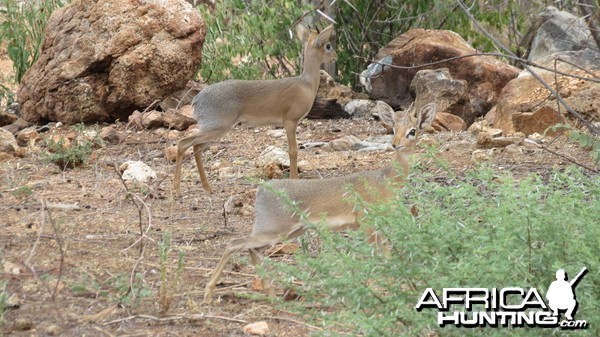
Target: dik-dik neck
402 161
310 70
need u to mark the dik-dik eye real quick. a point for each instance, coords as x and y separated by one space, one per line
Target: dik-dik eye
328 47
412 133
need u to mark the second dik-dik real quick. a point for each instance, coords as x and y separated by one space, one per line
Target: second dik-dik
285 102
324 199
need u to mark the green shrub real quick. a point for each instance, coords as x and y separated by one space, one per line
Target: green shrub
6 97
69 155
250 40
23 24
476 229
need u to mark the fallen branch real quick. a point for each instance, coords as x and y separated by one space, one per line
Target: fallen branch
174 318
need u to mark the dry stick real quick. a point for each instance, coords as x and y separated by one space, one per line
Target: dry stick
61 250
591 127
589 8
172 318
140 208
294 321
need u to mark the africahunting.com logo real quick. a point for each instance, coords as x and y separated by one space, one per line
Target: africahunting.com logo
507 307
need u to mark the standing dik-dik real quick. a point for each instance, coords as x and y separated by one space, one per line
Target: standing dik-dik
323 199
285 102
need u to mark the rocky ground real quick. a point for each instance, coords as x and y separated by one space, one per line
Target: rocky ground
68 268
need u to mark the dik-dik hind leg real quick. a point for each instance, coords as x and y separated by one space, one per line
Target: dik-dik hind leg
182 146
232 248
290 130
198 158
257 258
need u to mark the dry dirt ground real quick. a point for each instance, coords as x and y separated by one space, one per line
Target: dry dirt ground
68 270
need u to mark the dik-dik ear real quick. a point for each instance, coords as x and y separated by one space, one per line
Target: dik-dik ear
323 37
426 115
302 32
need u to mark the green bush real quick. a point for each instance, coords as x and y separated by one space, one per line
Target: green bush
22 27
250 40
476 229
69 155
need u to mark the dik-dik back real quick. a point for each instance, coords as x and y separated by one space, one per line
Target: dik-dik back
331 198
257 103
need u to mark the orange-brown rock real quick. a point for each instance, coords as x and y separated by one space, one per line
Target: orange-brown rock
103 59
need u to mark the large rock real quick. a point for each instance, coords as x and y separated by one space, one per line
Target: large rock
103 59
526 106
450 95
555 31
485 75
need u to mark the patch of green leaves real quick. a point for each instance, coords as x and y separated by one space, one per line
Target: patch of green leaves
66 154
250 40
7 97
169 281
22 26
586 140
477 229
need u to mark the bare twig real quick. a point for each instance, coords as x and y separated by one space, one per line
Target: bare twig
294 321
59 242
174 318
141 207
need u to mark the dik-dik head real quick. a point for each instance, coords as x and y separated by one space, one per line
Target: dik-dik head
408 126
317 43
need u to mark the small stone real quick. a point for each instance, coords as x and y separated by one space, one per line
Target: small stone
137 171
273 171
256 329
536 137
479 155
27 137
513 148
10 268
152 119
111 135
22 324
233 204
278 133
172 135
53 330
273 155
174 119
448 122
13 302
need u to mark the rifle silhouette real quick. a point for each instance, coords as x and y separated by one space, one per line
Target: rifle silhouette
578 277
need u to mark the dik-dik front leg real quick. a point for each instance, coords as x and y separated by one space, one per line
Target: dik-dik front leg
290 130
